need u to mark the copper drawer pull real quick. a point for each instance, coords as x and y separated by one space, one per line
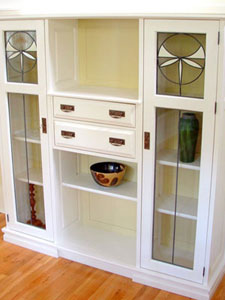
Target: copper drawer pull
116 114
67 134
67 108
116 142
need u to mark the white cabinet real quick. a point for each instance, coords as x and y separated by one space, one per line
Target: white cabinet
26 177
180 95
136 91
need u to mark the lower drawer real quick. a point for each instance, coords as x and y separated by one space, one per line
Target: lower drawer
95 138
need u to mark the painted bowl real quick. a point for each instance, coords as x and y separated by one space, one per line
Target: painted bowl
108 173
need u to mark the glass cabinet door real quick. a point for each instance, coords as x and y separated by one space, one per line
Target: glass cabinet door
177 167
26 156
179 99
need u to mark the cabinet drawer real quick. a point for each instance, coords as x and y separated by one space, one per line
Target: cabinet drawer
94 138
95 111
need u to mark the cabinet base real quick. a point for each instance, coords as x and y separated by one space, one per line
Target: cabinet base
150 278
30 242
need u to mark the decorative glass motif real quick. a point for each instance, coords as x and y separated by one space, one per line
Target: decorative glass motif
181 64
21 56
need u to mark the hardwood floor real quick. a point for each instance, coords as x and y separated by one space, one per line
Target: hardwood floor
27 275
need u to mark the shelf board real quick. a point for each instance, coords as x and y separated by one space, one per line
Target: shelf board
100 243
126 190
186 207
32 136
35 176
169 158
99 93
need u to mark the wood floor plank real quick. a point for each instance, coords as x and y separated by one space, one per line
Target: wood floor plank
28 275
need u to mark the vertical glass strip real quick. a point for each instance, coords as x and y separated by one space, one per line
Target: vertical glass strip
26 155
177 169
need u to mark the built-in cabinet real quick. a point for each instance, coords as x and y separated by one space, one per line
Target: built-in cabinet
140 92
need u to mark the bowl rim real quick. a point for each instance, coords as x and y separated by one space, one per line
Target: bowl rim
108 162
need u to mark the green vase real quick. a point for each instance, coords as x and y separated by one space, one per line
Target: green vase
188 135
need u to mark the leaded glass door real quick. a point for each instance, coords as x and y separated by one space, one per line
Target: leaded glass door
23 105
180 93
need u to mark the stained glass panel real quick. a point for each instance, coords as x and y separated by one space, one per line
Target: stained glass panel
21 56
181 64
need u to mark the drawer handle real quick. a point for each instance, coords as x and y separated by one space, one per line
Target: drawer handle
116 114
67 108
67 134
116 142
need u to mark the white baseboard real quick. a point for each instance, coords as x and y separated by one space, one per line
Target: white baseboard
218 275
30 242
98 263
174 285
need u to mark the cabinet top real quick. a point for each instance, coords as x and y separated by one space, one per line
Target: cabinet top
214 14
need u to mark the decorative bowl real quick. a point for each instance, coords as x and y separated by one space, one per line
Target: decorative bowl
108 173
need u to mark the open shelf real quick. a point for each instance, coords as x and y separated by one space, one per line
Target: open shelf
126 190
98 93
97 61
99 243
32 136
186 207
35 176
168 157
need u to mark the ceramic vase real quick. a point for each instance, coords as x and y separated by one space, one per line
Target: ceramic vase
188 135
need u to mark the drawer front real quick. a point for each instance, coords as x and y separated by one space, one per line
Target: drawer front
95 111
93 138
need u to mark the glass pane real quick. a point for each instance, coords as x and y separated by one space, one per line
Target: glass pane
178 148
26 154
181 64
21 56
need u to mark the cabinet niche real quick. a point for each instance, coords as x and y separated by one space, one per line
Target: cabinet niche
92 57
96 220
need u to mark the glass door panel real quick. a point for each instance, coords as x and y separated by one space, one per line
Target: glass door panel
21 56
181 64
26 154
177 165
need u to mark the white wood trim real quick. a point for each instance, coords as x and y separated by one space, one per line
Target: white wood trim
30 242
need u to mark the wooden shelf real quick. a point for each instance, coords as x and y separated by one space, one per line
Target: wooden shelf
99 243
35 176
126 190
186 207
99 93
32 136
169 158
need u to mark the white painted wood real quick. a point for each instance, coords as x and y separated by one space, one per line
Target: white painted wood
32 136
95 242
151 100
168 157
35 176
95 138
187 207
35 89
30 242
95 111
98 93
126 190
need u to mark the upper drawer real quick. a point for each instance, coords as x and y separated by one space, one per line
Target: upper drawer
95 111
